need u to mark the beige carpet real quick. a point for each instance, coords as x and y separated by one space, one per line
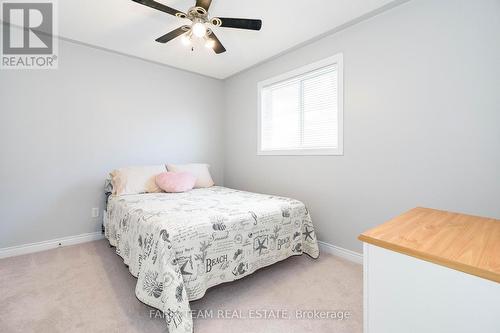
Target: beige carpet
87 288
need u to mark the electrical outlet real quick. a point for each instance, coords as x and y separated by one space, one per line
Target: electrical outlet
95 212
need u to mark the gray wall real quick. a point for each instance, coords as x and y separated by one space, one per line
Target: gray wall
422 120
422 126
62 131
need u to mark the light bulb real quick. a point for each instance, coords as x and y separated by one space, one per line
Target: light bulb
186 40
199 29
210 43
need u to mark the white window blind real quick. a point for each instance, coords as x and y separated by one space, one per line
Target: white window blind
300 112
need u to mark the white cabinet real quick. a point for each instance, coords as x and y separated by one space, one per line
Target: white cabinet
403 294
432 271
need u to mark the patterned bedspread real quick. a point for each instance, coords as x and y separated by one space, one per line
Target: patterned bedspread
180 244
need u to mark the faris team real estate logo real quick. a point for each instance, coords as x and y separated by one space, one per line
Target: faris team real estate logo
28 34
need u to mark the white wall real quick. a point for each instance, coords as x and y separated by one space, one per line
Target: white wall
422 120
62 131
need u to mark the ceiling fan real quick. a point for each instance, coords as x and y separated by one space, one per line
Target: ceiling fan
200 20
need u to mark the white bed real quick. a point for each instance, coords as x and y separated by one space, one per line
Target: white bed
180 244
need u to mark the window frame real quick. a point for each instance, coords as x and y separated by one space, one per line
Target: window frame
339 151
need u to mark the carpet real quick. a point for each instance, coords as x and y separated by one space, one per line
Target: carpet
87 288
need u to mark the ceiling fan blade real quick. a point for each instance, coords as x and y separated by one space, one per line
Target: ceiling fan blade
172 34
240 23
161 7
218 47
205 4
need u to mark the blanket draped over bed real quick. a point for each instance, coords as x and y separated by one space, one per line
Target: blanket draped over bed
180 244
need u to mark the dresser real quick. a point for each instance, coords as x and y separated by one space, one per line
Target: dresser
432 271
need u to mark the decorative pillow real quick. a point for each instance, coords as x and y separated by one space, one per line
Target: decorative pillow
200 171
175 182
135 180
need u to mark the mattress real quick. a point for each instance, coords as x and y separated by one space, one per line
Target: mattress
180 244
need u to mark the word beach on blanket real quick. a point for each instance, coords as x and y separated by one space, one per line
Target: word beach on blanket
180 244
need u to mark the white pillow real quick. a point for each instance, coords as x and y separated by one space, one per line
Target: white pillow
199 170
135 180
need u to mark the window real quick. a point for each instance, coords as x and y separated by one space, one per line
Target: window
300 112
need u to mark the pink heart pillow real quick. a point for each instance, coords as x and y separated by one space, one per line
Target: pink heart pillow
175 182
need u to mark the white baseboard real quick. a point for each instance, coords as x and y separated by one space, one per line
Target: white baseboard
341 252
72 240
49 244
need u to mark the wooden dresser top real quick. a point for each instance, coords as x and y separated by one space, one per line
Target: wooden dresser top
466 243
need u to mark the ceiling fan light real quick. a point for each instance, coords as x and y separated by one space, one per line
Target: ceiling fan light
199 29
210 43
186 40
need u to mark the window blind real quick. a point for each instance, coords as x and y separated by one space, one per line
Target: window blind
301 113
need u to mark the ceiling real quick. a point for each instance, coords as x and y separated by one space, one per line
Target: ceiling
128 27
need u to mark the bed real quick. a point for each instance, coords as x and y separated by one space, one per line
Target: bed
180 244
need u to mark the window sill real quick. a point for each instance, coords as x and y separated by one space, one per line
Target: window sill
301 152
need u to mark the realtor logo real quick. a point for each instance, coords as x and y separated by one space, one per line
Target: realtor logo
28 31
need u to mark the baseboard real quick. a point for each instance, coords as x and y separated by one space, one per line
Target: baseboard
72 240
341 252
49 244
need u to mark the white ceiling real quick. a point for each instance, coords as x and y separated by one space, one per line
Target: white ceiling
131 28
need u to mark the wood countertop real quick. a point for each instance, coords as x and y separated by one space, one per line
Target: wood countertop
466 243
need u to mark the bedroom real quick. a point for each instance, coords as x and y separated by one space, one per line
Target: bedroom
413 87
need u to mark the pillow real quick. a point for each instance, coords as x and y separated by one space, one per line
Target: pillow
134 180
175 182
200 171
